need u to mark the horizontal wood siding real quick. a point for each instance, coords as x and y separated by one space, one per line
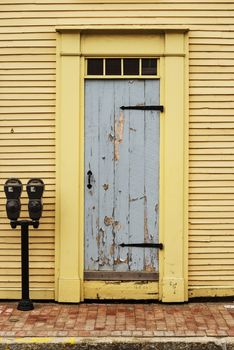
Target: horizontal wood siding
27 140
211 217
27 118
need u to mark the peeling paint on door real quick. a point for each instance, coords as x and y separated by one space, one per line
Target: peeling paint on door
108 220
119 128
105 186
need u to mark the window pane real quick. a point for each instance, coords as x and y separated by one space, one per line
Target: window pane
149 66
131 66
113 66
95 66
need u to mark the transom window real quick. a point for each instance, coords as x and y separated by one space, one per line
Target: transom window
121 67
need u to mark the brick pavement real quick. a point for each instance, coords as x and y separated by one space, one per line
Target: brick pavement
113 320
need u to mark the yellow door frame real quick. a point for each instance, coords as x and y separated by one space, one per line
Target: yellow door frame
74 44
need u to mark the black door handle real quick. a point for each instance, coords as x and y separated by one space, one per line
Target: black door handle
89 173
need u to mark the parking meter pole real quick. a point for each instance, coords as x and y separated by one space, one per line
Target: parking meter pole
25 303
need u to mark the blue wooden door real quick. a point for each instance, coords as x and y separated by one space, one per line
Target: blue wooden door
121 175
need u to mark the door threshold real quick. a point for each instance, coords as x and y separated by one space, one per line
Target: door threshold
120 276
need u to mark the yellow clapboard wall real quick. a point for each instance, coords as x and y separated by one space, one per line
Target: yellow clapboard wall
27 126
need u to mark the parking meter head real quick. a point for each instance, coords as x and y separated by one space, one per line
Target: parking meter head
13 189
35 189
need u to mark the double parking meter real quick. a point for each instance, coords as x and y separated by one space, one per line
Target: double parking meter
35 188
13 189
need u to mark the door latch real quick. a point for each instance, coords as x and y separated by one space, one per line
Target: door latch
89 185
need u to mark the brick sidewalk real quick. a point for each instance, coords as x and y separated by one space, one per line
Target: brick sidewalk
113 320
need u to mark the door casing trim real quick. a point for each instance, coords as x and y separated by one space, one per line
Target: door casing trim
172 49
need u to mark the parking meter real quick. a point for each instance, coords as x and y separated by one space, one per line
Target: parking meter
35 188
13 189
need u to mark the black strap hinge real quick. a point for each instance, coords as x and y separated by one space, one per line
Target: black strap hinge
143 245
144 108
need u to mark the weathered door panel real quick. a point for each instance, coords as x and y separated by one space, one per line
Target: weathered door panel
122 151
